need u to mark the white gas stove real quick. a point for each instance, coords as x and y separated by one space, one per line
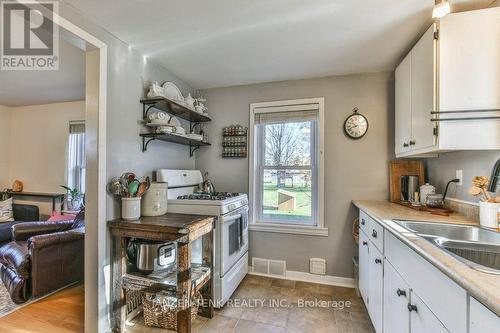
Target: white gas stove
231 230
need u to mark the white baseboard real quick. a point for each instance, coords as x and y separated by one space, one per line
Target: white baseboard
313 278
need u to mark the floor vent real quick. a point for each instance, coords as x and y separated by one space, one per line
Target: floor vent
269 266
317 266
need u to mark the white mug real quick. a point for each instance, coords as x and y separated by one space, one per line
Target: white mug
489 214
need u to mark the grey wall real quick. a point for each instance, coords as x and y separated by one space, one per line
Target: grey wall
353 169
473 163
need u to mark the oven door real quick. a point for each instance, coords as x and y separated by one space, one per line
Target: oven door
234 240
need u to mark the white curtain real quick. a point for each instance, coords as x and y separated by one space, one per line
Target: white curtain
76 156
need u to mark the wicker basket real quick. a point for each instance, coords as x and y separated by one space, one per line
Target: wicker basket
160 310
355 230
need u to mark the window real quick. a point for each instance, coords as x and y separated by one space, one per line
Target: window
286 165
76 156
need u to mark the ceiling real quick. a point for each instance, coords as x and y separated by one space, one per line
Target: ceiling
231 42
19 88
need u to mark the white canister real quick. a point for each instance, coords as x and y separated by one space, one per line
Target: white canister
489 214
154 201
425 190
131 208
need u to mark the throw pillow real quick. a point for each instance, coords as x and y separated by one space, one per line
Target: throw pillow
56 217
6 212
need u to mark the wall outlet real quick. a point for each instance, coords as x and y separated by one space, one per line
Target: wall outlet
459 174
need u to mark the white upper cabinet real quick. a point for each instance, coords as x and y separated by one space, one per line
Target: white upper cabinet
403 105
451 75
422 91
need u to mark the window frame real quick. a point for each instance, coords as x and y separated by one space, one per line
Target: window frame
254 196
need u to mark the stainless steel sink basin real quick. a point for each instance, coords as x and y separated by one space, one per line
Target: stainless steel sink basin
477 247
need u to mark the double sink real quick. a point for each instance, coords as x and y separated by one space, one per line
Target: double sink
477 247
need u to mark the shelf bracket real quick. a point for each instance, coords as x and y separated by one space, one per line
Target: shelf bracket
192 125
145 143
145 110
192 149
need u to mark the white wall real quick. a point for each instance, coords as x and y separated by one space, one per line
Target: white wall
38 147
4 146
354 169
128 75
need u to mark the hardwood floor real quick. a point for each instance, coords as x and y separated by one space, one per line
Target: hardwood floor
62 312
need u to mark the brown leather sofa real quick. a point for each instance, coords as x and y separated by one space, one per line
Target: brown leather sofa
42 257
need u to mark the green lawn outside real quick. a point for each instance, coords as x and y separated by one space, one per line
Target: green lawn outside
303 197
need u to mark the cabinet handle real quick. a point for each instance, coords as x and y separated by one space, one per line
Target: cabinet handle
362 221
401 292
412 307
405 145
412 142
378 261
365 243
374 233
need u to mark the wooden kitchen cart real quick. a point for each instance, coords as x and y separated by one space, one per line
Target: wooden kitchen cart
182 229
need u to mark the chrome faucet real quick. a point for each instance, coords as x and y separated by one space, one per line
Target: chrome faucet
495 177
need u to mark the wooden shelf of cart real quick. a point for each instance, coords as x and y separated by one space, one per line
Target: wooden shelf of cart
180 228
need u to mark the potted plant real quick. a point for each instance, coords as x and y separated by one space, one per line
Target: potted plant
73 198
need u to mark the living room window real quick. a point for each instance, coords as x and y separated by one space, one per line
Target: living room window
286 168
76 156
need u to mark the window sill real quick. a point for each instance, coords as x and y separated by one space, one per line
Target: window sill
289 229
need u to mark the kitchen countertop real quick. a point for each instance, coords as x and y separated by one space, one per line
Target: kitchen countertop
482 286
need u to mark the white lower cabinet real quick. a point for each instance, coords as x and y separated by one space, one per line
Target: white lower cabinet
404 293
396 299
364 278
422 320
376 286
481 319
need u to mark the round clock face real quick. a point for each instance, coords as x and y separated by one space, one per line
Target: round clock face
355 126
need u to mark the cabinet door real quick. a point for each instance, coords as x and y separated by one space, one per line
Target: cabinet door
481 319
423 59
396 299
375 291
403 106
422 320
363 267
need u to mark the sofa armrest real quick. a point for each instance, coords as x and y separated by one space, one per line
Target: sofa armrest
24 231
57 260
46 240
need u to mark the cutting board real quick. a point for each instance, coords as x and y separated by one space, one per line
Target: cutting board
400 168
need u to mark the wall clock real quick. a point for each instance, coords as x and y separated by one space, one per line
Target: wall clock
356 125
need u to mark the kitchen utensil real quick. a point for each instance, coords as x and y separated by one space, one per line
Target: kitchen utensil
189 101
172 92
152 256
435 200
207 186
114 186
133 187
400 168
143 187
425 190
409 186
154 202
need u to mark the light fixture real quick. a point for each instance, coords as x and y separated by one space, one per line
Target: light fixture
441 9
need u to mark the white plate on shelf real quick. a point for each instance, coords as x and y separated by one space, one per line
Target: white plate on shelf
172 92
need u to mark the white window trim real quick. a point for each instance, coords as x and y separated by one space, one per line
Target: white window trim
318 230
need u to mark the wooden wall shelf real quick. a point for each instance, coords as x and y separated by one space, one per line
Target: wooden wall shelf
169 106
193 144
